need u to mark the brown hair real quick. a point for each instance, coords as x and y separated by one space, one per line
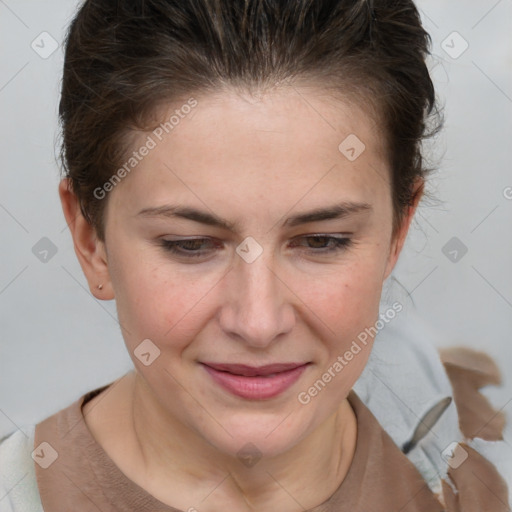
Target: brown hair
124 58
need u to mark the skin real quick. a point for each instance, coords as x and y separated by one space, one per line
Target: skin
256 161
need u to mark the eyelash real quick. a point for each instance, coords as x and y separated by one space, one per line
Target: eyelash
340 244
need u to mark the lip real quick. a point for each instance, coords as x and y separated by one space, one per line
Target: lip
255 382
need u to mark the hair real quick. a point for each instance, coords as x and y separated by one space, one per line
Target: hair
125 59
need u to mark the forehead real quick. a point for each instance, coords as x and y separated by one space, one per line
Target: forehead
286 144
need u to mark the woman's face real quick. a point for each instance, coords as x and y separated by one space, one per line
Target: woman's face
269 279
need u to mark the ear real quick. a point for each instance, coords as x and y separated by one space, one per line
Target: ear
90 250
399 239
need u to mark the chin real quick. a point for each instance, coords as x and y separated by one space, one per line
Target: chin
258 435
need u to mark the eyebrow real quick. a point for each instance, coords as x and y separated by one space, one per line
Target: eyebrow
336 211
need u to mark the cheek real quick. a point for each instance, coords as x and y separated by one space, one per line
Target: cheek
348 299
156 301
348 308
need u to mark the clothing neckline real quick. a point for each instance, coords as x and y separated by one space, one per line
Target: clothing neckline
83 468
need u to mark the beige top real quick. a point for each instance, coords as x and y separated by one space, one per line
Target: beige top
380 478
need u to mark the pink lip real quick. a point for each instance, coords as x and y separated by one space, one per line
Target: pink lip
255 383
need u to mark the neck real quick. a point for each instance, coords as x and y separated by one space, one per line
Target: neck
300 478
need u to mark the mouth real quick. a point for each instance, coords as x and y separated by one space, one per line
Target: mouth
255 382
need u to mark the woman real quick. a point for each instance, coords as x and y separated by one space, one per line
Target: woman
240 178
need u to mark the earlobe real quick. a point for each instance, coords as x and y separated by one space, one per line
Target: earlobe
90 250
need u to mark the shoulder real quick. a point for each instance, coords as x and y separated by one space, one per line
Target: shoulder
407 376
489 456
18 485
468 371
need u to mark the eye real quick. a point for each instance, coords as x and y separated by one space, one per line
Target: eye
189 248
324 244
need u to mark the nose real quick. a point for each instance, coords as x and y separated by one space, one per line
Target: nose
258 304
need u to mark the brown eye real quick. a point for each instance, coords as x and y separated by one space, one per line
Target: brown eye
189 248
325 244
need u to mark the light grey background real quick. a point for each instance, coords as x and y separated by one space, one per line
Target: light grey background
57 341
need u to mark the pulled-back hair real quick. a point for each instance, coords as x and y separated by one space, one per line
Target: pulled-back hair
124 59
